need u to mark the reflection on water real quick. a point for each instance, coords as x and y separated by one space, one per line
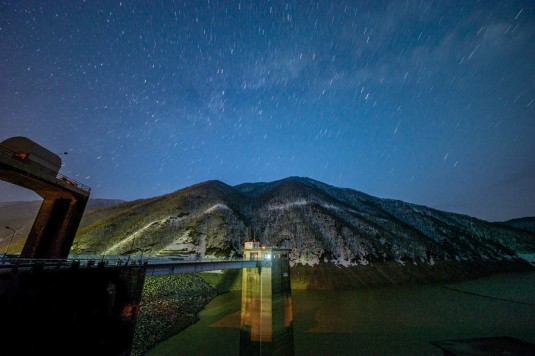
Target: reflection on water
406 320
378 321
258 323
266 309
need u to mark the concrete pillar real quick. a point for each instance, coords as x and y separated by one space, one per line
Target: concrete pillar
63 242
54 228
36 238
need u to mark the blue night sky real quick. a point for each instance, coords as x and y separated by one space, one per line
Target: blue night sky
427 102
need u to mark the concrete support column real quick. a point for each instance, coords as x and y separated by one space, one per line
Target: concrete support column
63 242
37 234
54 228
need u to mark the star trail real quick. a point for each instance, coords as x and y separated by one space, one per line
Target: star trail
429 102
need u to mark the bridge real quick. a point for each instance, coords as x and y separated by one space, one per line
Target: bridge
153 266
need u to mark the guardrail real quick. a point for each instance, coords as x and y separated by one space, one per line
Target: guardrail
103 261
72 182
26 263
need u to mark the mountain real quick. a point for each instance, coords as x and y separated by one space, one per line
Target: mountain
340 238
20 215
525 224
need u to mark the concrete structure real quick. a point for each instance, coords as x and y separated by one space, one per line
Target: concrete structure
266 307
69 311
91 306
51 305
163 269
251 245
29 165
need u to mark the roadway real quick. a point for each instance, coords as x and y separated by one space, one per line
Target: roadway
154 266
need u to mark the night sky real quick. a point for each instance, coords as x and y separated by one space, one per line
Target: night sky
428 102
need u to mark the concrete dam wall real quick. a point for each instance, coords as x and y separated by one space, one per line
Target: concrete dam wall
74 311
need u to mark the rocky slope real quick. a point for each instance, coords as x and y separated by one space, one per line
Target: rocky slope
327 228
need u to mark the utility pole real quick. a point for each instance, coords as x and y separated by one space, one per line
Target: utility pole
10 240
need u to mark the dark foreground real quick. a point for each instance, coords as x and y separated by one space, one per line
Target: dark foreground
66 311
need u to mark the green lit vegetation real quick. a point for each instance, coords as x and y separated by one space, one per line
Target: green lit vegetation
169 304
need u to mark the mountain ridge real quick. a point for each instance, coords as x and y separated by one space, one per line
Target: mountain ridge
525 223
327 228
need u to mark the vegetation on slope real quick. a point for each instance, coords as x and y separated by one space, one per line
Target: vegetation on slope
170 304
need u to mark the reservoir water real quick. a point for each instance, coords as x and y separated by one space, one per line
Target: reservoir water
379 321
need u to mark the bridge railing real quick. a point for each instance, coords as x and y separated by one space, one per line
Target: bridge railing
102 261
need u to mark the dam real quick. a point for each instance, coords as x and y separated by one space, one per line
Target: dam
51 304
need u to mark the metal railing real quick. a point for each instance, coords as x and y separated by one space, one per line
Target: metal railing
102 261
74 183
